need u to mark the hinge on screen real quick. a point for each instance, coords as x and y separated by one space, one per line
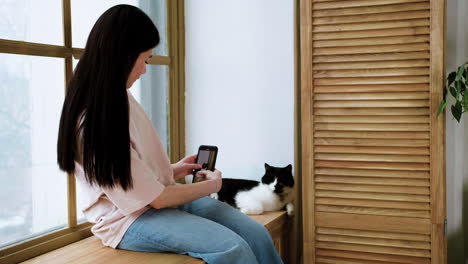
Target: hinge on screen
445 227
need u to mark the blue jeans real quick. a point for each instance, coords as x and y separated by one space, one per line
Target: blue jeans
205 228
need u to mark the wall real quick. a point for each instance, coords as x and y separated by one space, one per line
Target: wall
457 139
240 83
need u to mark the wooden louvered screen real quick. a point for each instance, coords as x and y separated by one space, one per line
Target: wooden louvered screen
372 148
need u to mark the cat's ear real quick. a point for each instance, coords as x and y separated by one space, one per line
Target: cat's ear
289 167
267 167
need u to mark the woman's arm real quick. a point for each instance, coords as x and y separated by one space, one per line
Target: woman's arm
175 195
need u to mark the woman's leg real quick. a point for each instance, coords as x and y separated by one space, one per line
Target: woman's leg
256 235
173 230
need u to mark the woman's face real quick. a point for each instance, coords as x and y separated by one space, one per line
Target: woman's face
139 68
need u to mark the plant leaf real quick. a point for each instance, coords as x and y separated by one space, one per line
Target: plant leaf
460 71
457 111
459 85
453 91
441 108
465 102
451 78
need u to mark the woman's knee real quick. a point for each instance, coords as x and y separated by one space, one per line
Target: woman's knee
235 250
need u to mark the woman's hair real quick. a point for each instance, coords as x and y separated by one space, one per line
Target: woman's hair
95 112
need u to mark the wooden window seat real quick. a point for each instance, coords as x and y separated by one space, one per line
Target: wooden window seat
91 250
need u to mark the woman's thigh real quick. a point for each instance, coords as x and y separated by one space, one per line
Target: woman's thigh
256 235
173 230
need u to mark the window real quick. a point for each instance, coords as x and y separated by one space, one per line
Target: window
37 56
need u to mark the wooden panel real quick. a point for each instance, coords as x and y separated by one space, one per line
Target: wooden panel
413 112
364 258
373 203
372 173
372 188
372 65
374 83
372 150
373 196
371 72
373 80
307 126
373 165
373 234
371 9
372 119
375 249
438 195
371 103
372 96
417 136
374 241
371 127
372 57
344 4
374 223
373 181
371 25
372 33
391 16
372 157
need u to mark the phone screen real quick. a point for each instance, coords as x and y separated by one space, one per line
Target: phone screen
207 159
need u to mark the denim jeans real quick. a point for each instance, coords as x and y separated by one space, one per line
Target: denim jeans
205 228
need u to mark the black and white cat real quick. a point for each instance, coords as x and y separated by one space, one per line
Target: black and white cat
253 197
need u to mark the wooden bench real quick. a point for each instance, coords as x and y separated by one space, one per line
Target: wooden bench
91 250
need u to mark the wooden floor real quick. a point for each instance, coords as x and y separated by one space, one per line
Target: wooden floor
91 250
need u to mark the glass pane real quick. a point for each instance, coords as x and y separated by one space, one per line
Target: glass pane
156 9
33 199
26 21
152 92
153 95
86 12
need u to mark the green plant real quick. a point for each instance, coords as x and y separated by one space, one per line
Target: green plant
457 85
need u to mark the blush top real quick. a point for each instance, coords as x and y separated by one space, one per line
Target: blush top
113 210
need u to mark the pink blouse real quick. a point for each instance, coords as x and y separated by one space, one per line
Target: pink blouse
113 210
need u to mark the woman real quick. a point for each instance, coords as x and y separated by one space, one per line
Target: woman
109 143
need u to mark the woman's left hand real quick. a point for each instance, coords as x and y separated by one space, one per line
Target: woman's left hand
185 166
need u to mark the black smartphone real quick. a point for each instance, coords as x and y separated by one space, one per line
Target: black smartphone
206 157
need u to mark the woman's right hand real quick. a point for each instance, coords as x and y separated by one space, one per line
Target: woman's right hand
215 176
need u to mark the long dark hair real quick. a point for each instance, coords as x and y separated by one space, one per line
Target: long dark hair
95 111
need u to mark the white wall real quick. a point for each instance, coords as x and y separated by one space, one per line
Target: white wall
240 83
457 137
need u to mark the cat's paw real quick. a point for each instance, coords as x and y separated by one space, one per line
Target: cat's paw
214 196
254 210
290 209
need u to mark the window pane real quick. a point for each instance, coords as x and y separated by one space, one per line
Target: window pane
26 21
86 12
34 191
152 92
156 9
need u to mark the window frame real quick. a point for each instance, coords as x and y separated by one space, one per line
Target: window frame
175 29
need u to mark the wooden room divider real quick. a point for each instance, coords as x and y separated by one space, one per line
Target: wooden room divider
373 154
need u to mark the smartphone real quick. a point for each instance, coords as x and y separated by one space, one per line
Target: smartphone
206 157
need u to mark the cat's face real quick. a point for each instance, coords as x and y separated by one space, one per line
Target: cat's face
281 177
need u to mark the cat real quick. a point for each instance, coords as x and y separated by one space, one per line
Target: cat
273 193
